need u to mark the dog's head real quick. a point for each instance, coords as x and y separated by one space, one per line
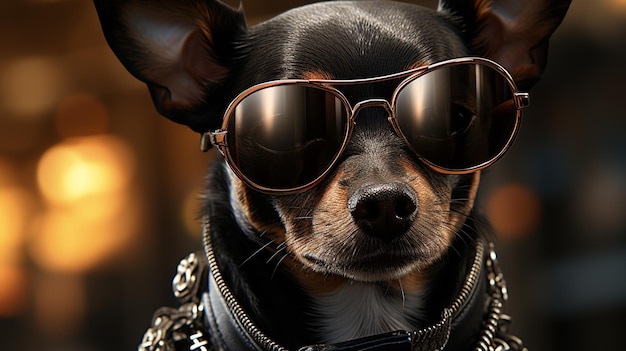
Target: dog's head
372 207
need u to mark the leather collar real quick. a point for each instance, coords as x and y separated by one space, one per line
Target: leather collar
213 319
232 329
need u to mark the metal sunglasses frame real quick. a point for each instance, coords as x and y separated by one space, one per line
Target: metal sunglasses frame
218 137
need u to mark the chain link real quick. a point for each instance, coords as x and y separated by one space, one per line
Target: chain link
180 329
495 335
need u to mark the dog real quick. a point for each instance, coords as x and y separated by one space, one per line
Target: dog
353 134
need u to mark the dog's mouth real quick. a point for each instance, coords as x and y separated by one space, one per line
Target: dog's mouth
364 258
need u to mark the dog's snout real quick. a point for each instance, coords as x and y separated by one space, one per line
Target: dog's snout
384 210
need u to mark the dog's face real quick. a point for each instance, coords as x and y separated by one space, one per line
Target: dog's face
380 213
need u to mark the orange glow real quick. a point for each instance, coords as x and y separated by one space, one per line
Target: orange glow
81 167
7 173
81 114
16 207
190 211
513 210
13 290
15 210
75 239
618 4
92 213
30 87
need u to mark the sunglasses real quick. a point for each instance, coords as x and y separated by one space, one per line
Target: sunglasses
457 116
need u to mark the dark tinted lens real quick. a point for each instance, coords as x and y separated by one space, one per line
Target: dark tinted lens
286 136
457 117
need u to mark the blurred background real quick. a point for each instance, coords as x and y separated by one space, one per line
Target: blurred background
98 194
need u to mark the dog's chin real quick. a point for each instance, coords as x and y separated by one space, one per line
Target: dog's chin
373 269
390 274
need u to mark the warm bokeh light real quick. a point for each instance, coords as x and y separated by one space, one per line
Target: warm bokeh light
92 213
30 87
75 239
618 4
7 173
15 208
13 289
513 210
81 114
78 168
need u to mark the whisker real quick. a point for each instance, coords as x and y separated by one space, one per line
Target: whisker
304 217
278 265
403 295
263 247
281 247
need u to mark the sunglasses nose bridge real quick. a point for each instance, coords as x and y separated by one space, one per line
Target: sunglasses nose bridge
371 103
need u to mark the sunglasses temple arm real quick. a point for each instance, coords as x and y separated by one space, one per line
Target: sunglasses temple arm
522 100
209 139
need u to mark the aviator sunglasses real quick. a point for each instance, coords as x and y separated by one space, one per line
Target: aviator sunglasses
457 116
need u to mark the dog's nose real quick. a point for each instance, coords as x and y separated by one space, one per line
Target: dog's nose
384 210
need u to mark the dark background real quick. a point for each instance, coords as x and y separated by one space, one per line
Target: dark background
98 193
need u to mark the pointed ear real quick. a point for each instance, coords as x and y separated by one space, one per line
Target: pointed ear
184 50
513 33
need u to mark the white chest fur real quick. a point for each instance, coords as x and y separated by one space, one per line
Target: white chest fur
359 309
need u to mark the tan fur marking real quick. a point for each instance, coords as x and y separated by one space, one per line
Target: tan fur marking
315 283
272 231
317 75
411 283
318 283
418 64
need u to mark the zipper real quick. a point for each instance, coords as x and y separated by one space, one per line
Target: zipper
440 332
233 305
